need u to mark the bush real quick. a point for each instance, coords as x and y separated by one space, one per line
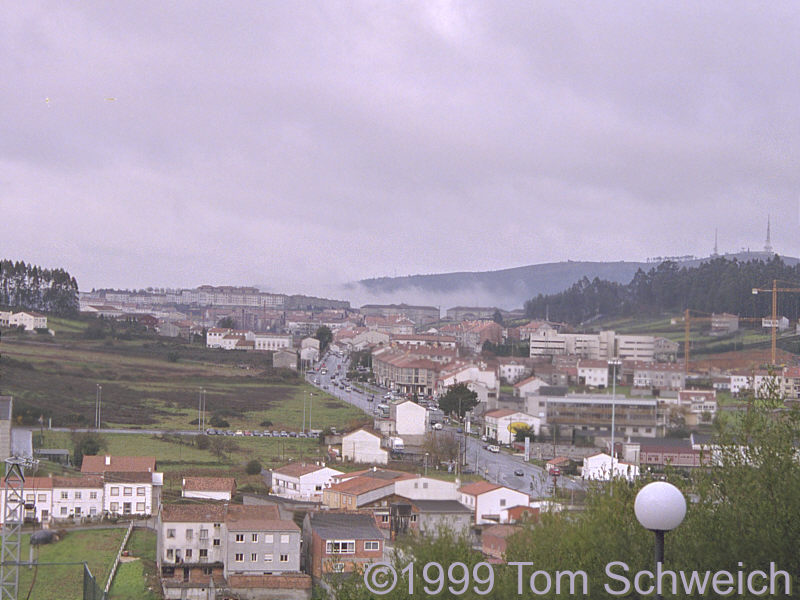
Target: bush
217 421
253 467
266 423
202 442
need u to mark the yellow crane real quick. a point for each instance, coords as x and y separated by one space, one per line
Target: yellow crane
775 290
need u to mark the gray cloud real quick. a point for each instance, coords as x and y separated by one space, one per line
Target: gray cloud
301 145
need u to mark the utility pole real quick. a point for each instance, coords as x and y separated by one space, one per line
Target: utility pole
98 402
13 518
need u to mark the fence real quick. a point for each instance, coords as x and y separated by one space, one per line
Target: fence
116 561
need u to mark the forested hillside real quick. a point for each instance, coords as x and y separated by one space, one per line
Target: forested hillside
719 285
31 287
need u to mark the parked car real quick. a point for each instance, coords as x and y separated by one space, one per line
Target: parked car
438 426
493 448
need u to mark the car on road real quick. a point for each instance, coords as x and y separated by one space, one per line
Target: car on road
493 448
519 472
438 426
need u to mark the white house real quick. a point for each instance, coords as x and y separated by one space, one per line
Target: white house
191 533
501 424
598 468
38 495
489 501
512 370
77 497
28 320
302 481
529 386
128 493
427 488
593 373
5 318
362 446
208 488
271 342
741 382
409 418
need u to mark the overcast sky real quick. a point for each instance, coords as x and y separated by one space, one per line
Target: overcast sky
300 144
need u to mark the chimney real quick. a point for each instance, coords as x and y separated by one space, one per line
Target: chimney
108 460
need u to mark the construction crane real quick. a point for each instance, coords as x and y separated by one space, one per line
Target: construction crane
775 290
687 320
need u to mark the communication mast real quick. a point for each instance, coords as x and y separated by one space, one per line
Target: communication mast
13 517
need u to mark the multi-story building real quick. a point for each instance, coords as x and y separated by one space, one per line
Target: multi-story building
336 542
593 373
259 542
660 376
420 315
489 501
127 493
78 497
404 372
593 412
301 481
28 320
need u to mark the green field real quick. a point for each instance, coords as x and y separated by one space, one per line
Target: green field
152 383
138 578
97 547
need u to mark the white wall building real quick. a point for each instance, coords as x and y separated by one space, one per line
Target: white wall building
361 446
427 488
28 320
270 342
593 373
300 481
208 488
499 424
128 493
77 497
409 418
598 468
489 500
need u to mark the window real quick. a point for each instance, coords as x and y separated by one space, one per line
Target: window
384 518
77 495
216 541
114 506
502 501
93 495
425 485
208 570
253 557
93 510
372 545
140 507
188 553
239 557
239 538
254 537
140 491
30 497
340 547
189 534
64 495
170 553
170 533
317 488
77 511
337 567
63 511
204 534
127 491
285 538
203 552
413 518
42 498
114 491
216 525
268 539
268 558
284 558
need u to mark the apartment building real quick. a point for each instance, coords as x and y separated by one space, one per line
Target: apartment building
419 315
404 372
301 481
659 376
336 542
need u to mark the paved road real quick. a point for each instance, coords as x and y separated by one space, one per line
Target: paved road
498 467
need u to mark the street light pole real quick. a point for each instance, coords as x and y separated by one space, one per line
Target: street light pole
614 363
660 507
310 404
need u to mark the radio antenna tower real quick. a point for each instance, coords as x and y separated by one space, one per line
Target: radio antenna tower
13 517
768 245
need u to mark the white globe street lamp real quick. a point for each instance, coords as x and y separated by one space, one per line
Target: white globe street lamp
660 507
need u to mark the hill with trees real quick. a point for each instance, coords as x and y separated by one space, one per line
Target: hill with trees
719 285
24 286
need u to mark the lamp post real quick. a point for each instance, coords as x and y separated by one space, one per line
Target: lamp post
426 464
660 507
613 363
310 403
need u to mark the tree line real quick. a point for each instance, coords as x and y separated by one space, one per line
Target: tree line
25 286
715 286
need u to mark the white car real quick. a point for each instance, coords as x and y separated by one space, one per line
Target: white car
437 426
494 449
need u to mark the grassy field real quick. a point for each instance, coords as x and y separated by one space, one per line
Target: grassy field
98 547
137 579
151 383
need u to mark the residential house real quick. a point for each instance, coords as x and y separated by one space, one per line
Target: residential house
724 324
410 419
660 376
336 542
28 320
356 493
598 467
208 488
127 493
428 517
363 446
502 424
301 481
285 359
593 373
494 540
488 500
259 542
78 497
513 370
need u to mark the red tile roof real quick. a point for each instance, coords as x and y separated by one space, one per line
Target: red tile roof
478 488
209 484
97 464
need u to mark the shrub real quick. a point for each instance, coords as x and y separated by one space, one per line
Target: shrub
253 467
266 423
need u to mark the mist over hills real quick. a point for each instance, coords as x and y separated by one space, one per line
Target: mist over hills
508 288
